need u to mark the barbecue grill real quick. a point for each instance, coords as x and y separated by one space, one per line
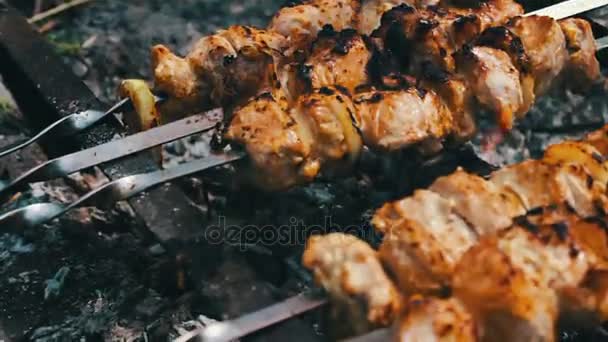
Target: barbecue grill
49 91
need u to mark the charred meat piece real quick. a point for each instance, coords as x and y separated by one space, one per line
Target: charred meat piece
395 119
434 319
279 147
495 82
349 269
336 59
506 304
371 12
220 70
290 145
545 45
327 114
424 238
435 34
582 68
456 95
469 193
301 23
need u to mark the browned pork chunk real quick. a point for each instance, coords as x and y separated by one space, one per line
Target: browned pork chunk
434 319
363 296
395 119
582 68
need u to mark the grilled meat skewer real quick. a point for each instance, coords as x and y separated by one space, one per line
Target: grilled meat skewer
495 270
313 117
220 69
291 142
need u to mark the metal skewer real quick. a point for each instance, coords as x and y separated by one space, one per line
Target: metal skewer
112 150
602 43
234 329
73 123
110 193
569 8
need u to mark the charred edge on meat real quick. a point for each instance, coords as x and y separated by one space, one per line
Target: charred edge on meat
218 142
561 229
526 224
433 73
502 38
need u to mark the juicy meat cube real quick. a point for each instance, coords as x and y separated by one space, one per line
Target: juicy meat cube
434 319
470 193
423 240
349 269
495 82
507 305
395 119
277 145
582 68
545 45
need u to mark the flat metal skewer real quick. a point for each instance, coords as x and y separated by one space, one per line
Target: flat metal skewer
72 124
110 193
234 329
74 162
569 8
602 43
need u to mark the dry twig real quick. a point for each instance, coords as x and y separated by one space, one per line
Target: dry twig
56 10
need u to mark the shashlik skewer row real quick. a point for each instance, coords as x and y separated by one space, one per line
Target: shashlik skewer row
456 236
85 120
323 131
234 64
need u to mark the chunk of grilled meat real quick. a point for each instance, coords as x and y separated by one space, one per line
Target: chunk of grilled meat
275 142
470 192
394 119
545 45
456 95
290 145
495 82
223 69
537 184
433 319
336 59
423 240
349 269
583 67
301 23
493 283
